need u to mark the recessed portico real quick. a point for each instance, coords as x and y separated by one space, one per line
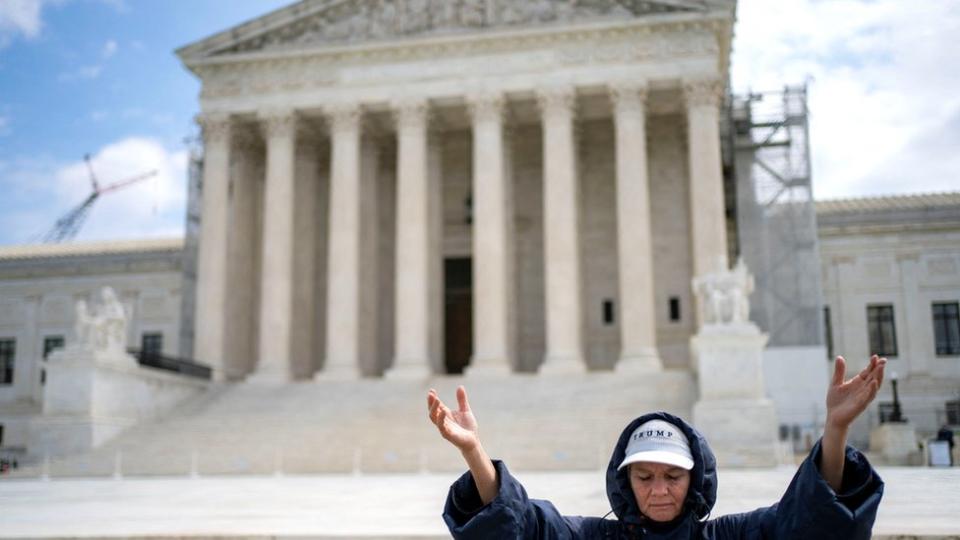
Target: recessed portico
550 167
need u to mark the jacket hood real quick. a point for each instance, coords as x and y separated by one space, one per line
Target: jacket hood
703 477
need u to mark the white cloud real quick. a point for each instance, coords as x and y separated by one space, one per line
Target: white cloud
39 191
82 73
882 80
19 17
25 17
91 72
109 49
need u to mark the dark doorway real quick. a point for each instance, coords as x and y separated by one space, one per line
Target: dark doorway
458 314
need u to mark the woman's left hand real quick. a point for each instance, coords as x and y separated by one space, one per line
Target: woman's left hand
846 400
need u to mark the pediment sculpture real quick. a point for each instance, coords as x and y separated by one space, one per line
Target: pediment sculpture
331 22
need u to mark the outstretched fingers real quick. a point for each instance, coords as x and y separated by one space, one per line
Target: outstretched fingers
462 399
436 407
839 369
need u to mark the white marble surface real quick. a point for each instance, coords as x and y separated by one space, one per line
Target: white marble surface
917 501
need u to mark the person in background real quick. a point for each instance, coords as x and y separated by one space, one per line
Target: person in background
946 435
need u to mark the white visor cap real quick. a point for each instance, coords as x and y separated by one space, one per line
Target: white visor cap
658 441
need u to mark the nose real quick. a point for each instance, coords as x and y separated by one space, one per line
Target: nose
660 487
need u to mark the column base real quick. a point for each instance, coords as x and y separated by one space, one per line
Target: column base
562 365
270 376
488 367
337 373
644 361
409 370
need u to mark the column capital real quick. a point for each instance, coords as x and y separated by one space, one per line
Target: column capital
486 105
411 112
703 92
628 95
557 99
344 117
215 126
278 122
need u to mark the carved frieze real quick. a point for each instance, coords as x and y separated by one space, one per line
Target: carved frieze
653 46
371 20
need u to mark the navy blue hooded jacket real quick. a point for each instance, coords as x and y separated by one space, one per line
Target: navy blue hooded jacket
808 509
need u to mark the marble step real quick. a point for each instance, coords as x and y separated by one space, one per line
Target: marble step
377 426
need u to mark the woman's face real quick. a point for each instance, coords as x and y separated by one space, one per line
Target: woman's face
660 489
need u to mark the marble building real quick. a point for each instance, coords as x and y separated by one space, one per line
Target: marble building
413 187
891 285
39 289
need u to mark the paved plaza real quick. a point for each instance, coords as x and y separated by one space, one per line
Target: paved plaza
918 503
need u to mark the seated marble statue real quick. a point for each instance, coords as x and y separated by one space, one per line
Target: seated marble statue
102 327
662 482
724 296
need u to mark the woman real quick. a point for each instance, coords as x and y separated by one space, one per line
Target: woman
662 482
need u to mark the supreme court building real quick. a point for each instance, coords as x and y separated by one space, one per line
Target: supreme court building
415 187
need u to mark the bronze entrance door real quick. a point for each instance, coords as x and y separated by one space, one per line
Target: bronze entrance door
458 314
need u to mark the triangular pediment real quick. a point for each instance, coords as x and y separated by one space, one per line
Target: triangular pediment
318 23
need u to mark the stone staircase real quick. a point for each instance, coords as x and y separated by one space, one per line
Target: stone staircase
380 426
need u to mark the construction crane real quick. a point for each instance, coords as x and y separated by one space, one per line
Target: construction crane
69 225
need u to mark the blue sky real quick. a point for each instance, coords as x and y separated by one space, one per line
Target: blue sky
100 77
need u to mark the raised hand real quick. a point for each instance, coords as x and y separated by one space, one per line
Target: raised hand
459 427
846 400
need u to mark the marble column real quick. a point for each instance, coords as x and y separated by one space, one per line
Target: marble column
276 279
638 328
708 222
306 229
561 233
243 252
492 239
414 256
212 264
343 248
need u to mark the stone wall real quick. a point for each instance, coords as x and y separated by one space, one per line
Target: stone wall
34 309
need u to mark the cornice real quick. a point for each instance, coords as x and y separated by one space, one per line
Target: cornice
718 23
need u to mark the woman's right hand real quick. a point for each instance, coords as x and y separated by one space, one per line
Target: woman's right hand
459 427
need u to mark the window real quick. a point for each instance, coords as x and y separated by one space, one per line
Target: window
946 327
883 335
50 344
8 352
607 312
152 344
674 309
828 332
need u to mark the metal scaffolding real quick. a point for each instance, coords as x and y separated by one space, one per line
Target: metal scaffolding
775 214
191 248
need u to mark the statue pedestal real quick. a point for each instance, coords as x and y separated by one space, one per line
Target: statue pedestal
91 395
733 413
895 443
